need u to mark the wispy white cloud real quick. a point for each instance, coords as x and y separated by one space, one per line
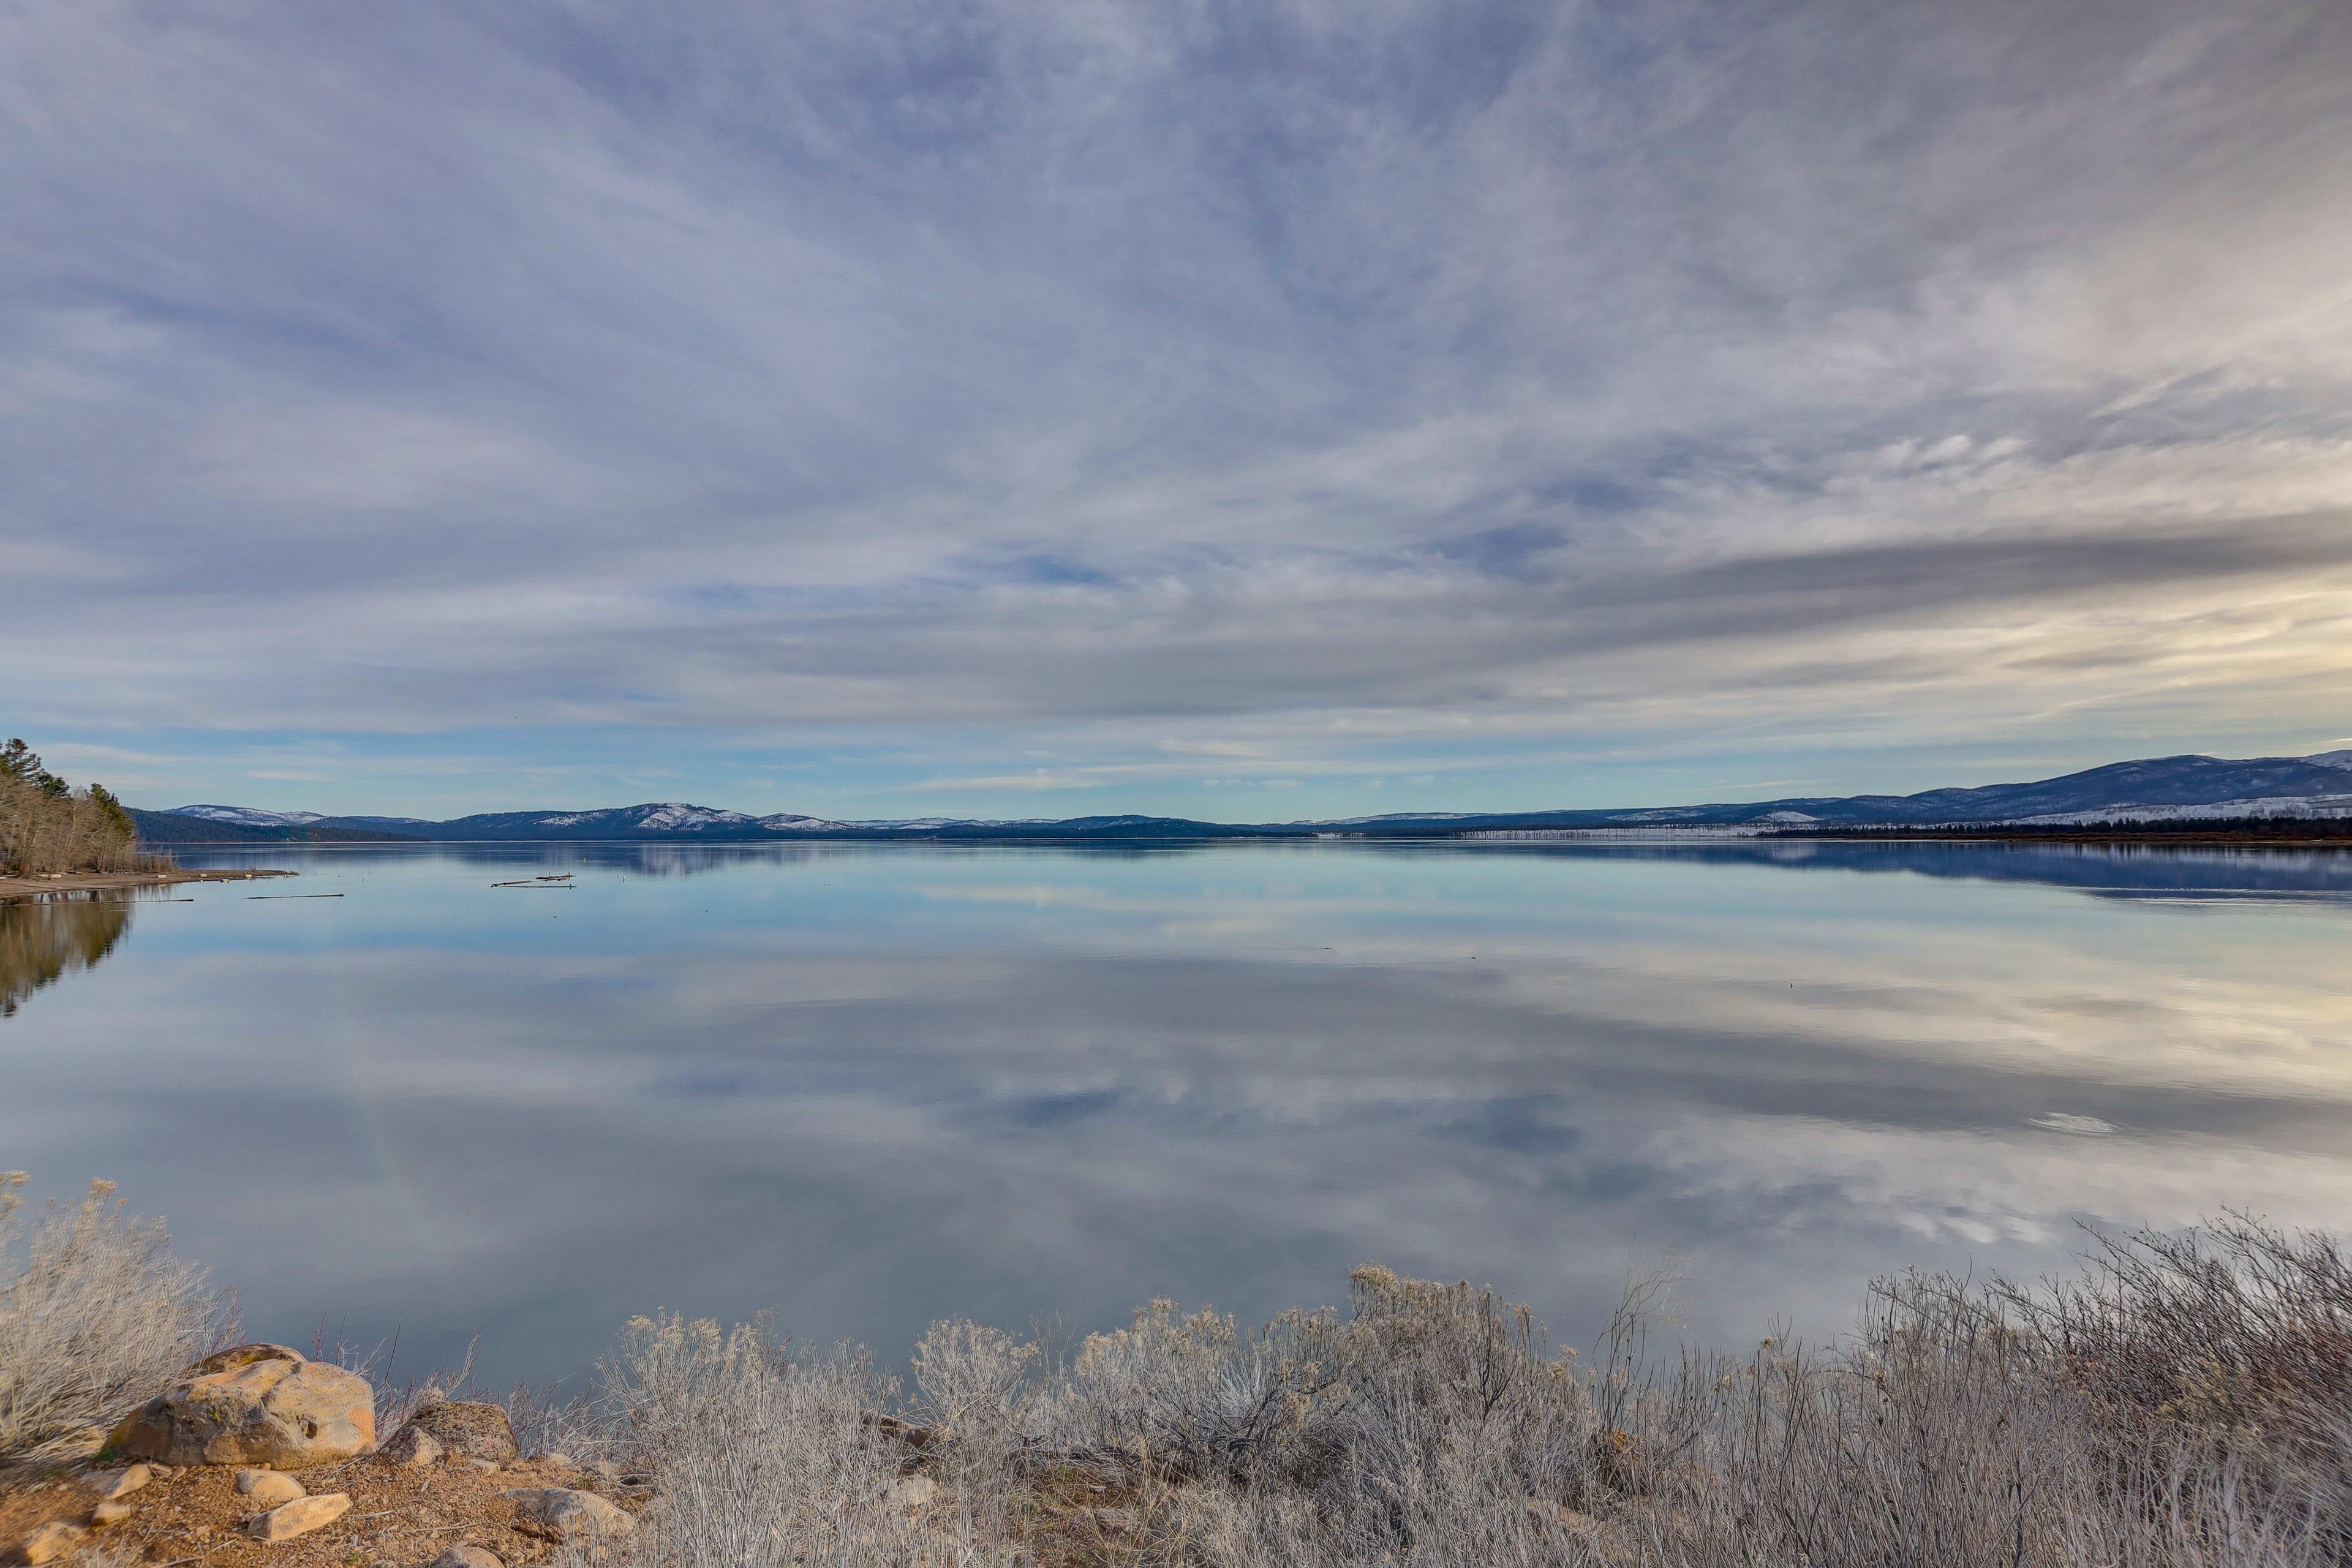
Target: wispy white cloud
1368 394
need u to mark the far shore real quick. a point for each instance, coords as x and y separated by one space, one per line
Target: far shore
52 884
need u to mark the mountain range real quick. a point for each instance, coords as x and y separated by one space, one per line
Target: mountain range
2154 789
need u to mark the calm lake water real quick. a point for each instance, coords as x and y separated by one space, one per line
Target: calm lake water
871 1086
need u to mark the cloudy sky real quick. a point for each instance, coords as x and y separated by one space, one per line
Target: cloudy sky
1246 411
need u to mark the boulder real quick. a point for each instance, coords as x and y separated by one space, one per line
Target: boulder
268 1488
300 1517
468 1429
467 1557
50 1541
413 1446
568 1515
256 1405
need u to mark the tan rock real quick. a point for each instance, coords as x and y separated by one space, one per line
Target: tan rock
470 1427
52 1541
299 1516
112 1513
112 1484
268 1488
257 1405
467 1557
413 1446
245 1355
568 1515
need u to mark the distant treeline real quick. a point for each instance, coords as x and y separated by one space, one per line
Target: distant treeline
2249 829
170 827
47 826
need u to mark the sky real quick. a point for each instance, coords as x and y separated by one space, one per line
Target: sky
1247 412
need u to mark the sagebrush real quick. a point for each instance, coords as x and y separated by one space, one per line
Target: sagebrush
96 1314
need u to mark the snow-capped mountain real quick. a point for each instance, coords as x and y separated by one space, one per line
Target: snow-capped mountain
248 815
659 817
2150 789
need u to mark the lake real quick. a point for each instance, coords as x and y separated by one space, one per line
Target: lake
869 1085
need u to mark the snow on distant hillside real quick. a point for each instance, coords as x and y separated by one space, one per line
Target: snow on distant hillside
247 816
2286 805
658 816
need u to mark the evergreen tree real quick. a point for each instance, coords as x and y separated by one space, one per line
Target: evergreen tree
20 761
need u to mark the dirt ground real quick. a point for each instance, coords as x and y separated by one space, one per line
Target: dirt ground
47 885
398 1517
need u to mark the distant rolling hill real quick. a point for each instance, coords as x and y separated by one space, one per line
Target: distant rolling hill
2154 789
172 827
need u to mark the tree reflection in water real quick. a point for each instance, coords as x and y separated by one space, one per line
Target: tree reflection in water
40 940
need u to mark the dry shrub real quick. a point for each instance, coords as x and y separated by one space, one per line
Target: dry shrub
97 1316
2232 1327
761 1457
1431 1425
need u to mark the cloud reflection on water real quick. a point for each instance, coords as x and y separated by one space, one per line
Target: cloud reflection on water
872 1087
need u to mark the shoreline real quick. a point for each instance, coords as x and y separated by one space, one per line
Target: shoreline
36 889
1668 833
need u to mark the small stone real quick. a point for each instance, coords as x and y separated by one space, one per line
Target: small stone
413 1446
299 1516
268 1488
914 1491
110 1513
113 1484
467 1557
51 1541
568 1515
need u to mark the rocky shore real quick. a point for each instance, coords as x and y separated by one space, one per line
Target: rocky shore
260 1454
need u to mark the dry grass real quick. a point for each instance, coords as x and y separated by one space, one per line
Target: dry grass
2182 1403
95 1316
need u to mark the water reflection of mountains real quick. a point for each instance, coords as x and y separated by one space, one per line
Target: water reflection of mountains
41 941
2198 872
